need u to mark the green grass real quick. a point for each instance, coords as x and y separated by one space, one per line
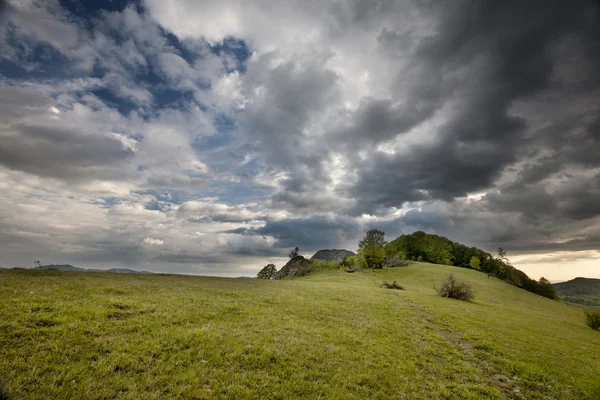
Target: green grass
326 335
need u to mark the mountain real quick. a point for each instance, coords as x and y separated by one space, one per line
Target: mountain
584 291
60 267
70 268
579 287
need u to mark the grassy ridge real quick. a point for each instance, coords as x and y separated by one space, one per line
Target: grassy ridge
328 335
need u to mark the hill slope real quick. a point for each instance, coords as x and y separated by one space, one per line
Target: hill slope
328 335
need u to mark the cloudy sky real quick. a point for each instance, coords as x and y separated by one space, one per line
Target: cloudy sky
211 137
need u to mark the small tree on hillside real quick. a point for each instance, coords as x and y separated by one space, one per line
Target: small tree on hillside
372 248
294 253
475 262
268 272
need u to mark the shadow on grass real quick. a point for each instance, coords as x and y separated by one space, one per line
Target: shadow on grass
4 392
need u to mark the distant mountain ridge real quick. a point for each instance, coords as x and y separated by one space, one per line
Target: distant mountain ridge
579 286
584 291
70 268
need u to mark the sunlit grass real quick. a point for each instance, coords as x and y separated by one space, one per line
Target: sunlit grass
327 335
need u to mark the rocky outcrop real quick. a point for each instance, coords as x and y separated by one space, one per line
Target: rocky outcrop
297 266
332 255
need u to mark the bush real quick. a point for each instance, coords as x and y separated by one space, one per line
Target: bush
455 289
323 265
305 269
593 319
393 285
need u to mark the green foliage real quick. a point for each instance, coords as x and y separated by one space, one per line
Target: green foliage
320 265
432 248
294 253
593 319
268 272
372 248
475 263
420 259
546 289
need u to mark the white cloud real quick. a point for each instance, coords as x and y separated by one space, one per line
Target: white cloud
152 242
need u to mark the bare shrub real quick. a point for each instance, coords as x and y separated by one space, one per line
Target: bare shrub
593 319
455 289
393 285
396 262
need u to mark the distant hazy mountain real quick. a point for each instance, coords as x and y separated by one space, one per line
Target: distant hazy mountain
59 267
585 291
579 287
67 267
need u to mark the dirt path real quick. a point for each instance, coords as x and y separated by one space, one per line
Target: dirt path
507 386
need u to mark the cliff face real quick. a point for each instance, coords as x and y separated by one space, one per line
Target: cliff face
332 255
296 266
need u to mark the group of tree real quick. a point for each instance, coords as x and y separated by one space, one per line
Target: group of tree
421 246
374 252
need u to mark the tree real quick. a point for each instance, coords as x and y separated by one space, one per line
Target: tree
294 253
502 255
546 289
268 272
475 262
372 248
38 263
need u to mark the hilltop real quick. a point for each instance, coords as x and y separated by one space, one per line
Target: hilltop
582 291
328 334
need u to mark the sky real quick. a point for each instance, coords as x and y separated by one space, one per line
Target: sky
212 137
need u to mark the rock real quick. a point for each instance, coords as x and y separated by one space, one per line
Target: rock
297 266
332 255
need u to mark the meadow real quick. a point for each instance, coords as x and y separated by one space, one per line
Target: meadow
333 335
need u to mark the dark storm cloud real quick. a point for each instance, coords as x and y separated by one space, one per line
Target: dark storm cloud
505 51
311 233
60 153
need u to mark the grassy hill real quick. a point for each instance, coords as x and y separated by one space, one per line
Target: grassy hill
326 335
582 292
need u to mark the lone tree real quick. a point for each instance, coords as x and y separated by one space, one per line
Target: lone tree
294 253
372 248
38 263
268 272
